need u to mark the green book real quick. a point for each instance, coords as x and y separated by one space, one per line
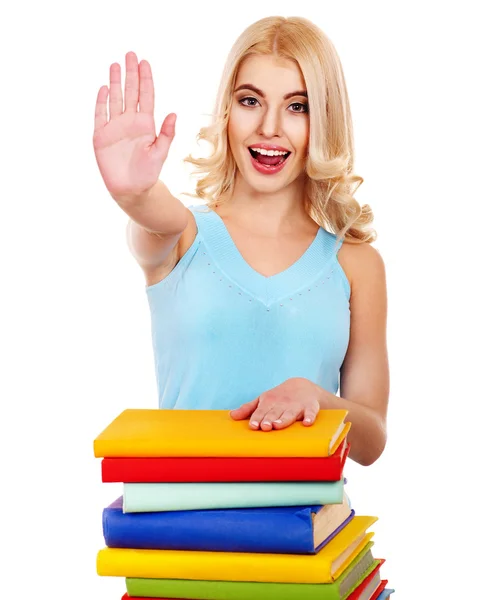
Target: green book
340 589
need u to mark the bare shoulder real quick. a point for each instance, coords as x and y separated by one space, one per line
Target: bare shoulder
362 264
157 274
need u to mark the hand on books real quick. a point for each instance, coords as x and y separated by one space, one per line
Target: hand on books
296 399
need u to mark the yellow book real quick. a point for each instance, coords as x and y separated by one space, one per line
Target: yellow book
323 567
211 433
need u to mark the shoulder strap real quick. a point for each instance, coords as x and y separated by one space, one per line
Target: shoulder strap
338 243
200 213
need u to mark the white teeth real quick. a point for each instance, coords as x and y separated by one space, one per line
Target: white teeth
269 152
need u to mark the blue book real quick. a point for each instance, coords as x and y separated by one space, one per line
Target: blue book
275 530
385 594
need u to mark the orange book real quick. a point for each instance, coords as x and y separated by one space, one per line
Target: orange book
175 432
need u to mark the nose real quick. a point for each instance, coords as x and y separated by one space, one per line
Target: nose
270 123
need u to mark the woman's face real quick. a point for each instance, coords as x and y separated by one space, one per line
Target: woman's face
269 108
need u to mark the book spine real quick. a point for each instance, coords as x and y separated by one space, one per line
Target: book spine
222 469
213 566
229 590
158 497
251 530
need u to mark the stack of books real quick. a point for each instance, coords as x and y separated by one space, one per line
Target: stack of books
212 510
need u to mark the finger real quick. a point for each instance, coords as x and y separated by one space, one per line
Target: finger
131 82
310 415
115 94
244 411
257 417
288 417
101 109
266 414
166 135
146 88
272 415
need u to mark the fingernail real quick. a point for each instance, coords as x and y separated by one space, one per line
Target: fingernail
254 423
307 420
266 423
278 421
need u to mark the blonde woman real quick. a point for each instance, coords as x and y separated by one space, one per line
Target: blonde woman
266 296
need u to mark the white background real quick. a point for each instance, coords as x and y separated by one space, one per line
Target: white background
75 332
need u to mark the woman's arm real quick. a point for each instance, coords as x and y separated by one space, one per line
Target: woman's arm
364 375
157 220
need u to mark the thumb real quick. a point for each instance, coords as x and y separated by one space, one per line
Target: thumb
245 410
166 135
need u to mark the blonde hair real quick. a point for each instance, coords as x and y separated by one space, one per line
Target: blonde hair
329 182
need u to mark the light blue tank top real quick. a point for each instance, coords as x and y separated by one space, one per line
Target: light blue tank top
223 333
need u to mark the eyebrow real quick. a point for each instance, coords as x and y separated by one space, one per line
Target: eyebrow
249 86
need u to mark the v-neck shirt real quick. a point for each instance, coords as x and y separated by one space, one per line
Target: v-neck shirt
223 333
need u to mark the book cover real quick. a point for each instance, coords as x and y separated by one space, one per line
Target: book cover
183 433
187 469
243 590
277 530
237 566
154 497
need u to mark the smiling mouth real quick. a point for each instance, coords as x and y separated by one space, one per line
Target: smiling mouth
268 160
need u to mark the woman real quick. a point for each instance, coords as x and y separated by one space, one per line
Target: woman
269 298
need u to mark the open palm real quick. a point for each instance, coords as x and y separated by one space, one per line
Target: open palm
129 154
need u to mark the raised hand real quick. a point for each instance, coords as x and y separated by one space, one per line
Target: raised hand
129 154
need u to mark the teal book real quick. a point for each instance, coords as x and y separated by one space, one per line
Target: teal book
158 497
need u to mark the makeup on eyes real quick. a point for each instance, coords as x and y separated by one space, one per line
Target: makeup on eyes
303 111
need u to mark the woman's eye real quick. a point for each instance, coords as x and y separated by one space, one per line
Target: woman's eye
243 99
303 107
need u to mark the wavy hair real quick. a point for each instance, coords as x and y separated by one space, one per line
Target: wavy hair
329 179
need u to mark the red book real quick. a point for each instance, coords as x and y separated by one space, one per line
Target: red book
359 590
225 469
379 589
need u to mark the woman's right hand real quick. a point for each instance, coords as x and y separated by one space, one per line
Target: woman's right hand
129 155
